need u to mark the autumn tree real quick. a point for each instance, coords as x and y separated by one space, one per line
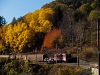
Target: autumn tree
40 20
2 39
58 8
18 37
68 26
94 15
72 18
22 36
95 4
50 37
85 8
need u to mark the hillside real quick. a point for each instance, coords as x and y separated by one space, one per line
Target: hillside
74 19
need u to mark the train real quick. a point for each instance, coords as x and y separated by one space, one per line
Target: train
56 58
60 57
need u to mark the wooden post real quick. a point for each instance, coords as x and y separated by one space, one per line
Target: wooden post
98 44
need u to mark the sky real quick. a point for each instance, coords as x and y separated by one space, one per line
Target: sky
18 8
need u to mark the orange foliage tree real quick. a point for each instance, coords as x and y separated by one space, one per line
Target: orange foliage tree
50 37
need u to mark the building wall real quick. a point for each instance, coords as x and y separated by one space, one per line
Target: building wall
95 71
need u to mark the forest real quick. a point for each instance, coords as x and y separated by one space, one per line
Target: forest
62 23
59 26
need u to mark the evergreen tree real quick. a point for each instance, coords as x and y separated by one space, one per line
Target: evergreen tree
2 21
13 20
20 19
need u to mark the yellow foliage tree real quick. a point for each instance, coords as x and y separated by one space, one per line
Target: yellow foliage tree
21 35
40 20
18 36
2 39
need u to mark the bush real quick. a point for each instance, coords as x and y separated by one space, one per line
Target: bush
89 54
21 67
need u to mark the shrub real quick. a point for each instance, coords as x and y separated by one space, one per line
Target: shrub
89 54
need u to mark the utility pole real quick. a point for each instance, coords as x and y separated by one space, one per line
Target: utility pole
78 45
98 44
36 54
77 56
56 53
98 37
